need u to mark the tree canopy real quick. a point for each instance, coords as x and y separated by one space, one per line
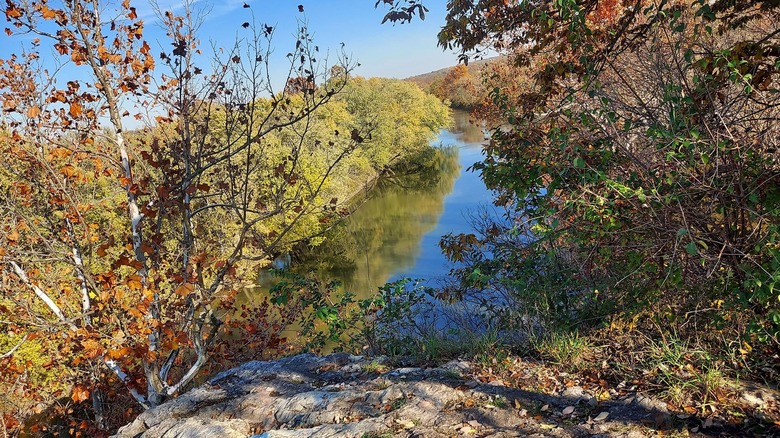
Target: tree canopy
123 251
639 158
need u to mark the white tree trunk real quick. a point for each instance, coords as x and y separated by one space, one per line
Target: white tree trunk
22 274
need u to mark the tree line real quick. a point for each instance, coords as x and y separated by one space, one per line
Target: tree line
123 250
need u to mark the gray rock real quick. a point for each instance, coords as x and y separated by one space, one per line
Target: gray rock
310 396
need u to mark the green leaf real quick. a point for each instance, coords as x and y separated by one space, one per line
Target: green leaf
681 232
691 248
579 162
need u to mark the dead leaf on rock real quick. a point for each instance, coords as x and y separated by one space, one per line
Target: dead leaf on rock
406 424
467 430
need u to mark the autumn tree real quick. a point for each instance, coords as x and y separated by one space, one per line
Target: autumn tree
461 87
639 161
121 250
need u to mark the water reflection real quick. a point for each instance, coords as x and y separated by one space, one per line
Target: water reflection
395 233
384 236
467 132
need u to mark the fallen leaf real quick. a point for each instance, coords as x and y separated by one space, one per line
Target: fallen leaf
545 408
602 416
406 424
568 410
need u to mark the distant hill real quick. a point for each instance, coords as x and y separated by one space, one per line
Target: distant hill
459 86
425 80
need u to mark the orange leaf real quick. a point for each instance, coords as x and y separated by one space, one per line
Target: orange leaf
79 394
134 282
92 348
75 109
13 12
146 248
184 289
58 96
68 170
60 152
47 13
33 112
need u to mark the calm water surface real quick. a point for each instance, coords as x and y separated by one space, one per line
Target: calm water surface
396 232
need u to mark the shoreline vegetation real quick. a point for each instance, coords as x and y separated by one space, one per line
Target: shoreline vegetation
636 249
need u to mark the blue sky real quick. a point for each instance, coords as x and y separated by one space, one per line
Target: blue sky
388 50
382 49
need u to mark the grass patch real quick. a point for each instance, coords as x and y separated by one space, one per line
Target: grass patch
499 402
687 375
568 349
375 367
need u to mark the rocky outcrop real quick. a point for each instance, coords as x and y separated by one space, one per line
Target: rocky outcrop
351 396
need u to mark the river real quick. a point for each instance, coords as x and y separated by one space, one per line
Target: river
395 234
